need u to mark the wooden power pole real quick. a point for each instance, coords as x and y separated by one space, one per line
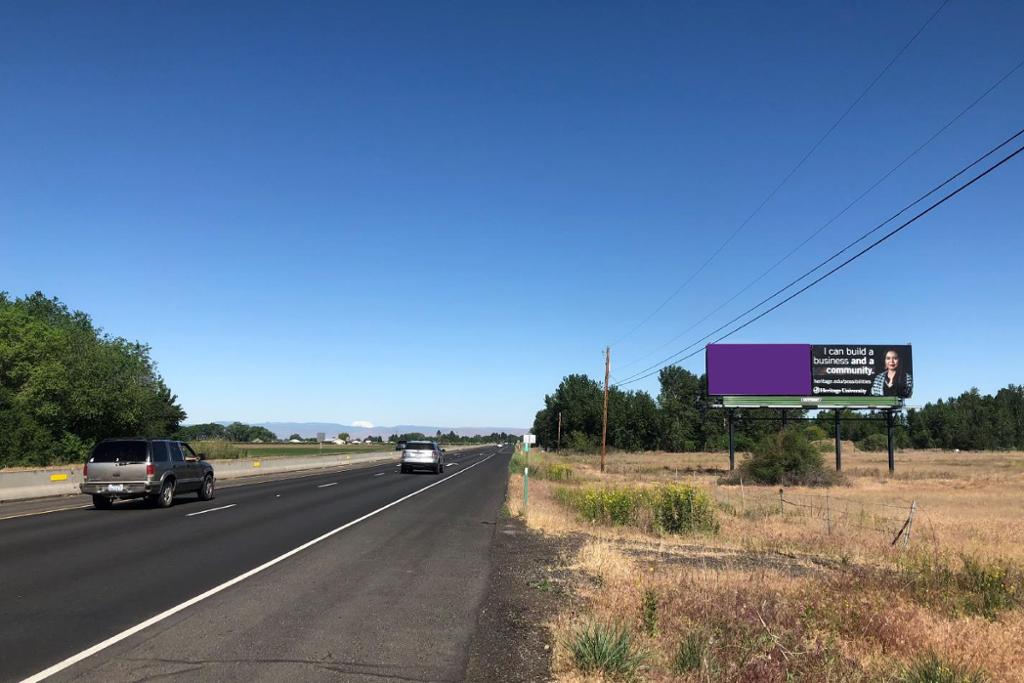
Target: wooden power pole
604 422
558 443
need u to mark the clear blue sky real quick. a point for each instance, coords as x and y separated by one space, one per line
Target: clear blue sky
428 213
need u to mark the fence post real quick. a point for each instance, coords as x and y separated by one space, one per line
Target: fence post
782 504
828 514
910 523
743 498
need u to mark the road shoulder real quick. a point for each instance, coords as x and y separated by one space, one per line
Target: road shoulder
527 587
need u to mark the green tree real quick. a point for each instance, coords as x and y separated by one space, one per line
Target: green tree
65 384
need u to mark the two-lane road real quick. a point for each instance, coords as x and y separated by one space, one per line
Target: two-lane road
364 574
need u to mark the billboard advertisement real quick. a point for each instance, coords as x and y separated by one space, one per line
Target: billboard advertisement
857 370
846 370
759 369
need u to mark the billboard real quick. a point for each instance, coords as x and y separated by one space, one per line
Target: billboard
857 370
845 370
759 369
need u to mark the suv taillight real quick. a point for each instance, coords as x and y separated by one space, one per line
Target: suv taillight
85 470
150 470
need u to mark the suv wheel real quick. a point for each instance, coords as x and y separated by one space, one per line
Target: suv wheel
206 489
101 502
166 495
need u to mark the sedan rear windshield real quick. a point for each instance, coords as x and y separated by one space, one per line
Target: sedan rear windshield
419 446
120 451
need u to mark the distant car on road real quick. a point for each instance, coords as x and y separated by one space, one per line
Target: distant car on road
400 446
156 469
422 454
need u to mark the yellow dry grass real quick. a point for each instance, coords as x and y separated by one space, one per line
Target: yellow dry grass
812 594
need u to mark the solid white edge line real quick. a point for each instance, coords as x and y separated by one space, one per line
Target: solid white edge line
323 486
127 633
203 512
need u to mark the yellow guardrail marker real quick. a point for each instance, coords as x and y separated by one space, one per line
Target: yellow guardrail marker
58 477
255 463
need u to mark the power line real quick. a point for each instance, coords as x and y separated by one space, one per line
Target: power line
831 258
792 296
786 178
841 213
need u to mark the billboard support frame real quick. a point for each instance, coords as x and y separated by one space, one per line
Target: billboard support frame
887 405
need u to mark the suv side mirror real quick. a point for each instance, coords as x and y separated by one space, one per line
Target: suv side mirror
202 456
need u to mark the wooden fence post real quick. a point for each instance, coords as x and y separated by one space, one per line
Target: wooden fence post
782 504
828 515
910 523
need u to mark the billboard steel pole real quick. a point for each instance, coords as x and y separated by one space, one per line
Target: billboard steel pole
732 442
888 429
839 444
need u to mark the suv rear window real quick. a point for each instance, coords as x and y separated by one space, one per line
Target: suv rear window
419 446
120 451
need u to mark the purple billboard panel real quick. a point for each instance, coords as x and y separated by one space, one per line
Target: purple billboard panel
759 369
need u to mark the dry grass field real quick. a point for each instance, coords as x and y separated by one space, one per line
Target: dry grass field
808 586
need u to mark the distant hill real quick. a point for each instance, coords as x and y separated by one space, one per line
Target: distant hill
309 429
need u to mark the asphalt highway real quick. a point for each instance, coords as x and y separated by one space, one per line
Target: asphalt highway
361 575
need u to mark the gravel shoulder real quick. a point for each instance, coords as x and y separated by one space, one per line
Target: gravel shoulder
527 587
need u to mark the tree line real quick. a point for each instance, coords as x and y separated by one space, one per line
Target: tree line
681 418
236 431
65 384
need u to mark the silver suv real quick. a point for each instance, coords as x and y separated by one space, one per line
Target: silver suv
422 454
156 469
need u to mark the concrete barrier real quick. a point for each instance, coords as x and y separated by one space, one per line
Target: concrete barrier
64 480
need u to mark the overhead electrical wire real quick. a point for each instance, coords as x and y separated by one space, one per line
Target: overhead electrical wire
674 358
786 178
836 217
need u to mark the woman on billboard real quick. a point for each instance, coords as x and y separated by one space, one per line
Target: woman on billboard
894 380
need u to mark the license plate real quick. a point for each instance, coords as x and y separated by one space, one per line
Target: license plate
115 487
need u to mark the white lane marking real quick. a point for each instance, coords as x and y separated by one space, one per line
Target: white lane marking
323 486
127 633
379 475
44 512
203 512
451 463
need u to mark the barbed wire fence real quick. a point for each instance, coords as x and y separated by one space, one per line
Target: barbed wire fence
894 521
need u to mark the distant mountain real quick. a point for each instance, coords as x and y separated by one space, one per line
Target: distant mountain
309 429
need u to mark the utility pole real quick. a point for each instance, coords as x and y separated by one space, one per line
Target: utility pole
558 443
604 422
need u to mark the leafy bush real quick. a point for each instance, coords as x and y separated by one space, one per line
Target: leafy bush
932 669
610 650
787 458
578 441
672 508
815 433
874 442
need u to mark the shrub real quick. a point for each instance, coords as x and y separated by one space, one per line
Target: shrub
610 650
787 458
672 508
815 433
578 441
874 442
932 669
